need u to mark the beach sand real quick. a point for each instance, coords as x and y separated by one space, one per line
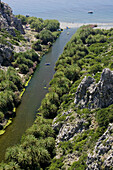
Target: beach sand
63 25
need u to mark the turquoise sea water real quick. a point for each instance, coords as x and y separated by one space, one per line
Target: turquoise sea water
66 10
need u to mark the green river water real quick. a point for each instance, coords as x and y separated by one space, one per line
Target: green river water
35 92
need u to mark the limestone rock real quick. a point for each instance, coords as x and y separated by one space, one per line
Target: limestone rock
9 21
93 95
67 129
102 156
58 124
6 52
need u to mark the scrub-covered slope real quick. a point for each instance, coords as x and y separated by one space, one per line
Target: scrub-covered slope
85 113
73 129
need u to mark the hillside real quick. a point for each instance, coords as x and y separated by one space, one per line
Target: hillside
23 42
74 125
84 121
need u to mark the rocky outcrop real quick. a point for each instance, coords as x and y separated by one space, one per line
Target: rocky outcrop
68 128
8 20
6 52
93 95
102 156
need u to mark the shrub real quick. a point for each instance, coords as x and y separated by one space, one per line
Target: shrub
24 68
46 36
52 25
95 68
36 46
80 164
105 116
56 164
22 18
1 116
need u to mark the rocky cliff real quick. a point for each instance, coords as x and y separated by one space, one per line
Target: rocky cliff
93 95
79 131
6 52
9 25
8 20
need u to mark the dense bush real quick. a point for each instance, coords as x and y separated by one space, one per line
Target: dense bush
22 18
24 61
10 84
105 116
36 149
37 25
36 45
46 36
52 25
1 116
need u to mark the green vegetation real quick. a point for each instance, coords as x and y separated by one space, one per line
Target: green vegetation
26 61
46 36
87 53
21 65
81 164
7 39
10 84
36 149
104 116
80 58
38 23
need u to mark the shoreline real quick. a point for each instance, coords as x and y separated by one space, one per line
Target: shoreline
63 25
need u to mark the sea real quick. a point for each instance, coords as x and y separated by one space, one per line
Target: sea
70 11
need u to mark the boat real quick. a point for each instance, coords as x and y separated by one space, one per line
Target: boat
67 27
90 12
47 64
27 15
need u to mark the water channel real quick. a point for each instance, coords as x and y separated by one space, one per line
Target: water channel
34 94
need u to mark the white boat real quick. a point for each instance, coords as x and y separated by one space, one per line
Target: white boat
47 64
90 12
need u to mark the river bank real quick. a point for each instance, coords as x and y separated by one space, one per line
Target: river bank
35 92
27 52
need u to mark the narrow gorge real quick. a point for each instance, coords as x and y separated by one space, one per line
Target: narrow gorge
73 127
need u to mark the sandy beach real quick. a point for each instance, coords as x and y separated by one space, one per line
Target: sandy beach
63 25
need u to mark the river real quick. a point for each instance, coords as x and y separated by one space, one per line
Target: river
35 92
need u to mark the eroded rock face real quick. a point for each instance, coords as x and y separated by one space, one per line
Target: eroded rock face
66 129
102 156
93 95
6 52
8 20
